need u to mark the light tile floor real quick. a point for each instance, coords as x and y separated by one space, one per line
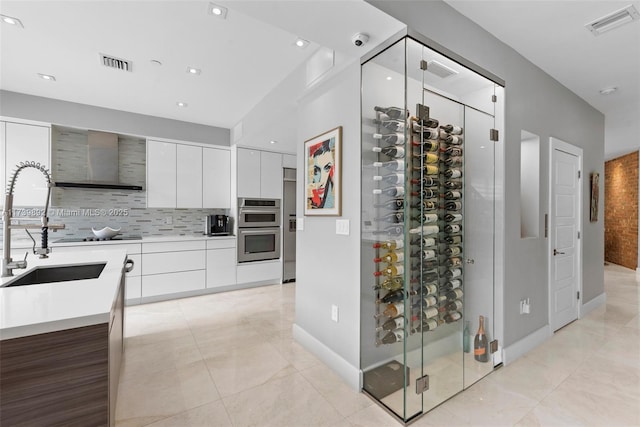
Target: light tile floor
230 360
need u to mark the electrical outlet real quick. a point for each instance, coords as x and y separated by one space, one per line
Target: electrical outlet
168 220
342 227
525 307
334 313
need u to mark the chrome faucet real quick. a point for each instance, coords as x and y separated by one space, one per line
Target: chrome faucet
8 265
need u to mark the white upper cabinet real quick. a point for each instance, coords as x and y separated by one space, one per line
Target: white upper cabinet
189 176
216 178
161 174
289 161
26 142
271 175
248 173
259 174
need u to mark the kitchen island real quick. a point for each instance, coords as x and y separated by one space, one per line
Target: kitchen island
61 344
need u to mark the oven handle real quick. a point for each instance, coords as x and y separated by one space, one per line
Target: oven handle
244 211
260 231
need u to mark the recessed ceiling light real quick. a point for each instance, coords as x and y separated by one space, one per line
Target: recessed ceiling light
608 90
195 71
217 10
11 21
182 104
273 141
613 20
388 77
301 43
47 77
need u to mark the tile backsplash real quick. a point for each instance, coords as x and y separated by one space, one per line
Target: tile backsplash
81 209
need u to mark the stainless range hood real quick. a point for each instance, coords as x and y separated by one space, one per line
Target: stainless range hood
102 164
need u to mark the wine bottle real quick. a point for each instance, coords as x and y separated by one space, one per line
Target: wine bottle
452 129
426 123
391 257
452 173
427 181
392 125
428 133
452 240
392 230
428 169
453 184
425 242
427 193
466 338
395 296
454 305
430 158
453 161
393 112
391 324
450 285
390 283
391 151
454 294
390 244
453 273
391 337
392 178
395 191
391 138
454 140
454 262
453 217
452 228
429 312
452 316
452 151
453 250
395 165
427 325
428 145
428 218
481 344
393 218
453 205
390 270
452 195
426 230
429 301
394 309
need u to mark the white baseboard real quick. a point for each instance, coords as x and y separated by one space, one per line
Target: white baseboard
350 374
596 302
526 344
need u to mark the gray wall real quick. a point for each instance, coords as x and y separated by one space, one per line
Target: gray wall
328 267
537 103
21 106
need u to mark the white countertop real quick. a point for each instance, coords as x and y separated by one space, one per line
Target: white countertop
47 307
27 244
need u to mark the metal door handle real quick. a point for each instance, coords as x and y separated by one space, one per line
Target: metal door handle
471 261
556 252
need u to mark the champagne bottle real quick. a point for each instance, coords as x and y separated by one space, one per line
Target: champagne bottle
392 337
391 258
453 184
391 138
452 173
452 316
392 125
426 123
451 129
390 270
393 112
392 178
454 140
390 244
481 344
395 165
431 158
391 151
395 191
391 324
426 230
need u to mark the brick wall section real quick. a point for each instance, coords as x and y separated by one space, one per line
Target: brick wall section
621 211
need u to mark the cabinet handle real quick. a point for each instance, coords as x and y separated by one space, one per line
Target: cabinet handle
128 265
556 252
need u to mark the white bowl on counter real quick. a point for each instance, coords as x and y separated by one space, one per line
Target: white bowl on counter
106 232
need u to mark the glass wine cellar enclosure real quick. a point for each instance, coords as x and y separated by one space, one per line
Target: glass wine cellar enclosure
429 132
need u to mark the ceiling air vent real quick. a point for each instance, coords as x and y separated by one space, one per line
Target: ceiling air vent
613 20
117 63
440 69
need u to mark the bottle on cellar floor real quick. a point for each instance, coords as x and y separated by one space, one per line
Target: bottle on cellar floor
481 344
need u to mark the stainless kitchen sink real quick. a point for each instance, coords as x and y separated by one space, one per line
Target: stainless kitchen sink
65 273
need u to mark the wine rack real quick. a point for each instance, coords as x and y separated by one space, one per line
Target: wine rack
420 209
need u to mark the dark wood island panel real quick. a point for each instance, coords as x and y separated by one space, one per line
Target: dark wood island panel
57 378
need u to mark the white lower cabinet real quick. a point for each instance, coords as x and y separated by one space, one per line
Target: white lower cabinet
221 263
264 271
172 283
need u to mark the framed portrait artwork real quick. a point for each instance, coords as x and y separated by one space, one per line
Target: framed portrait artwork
595 196
323 174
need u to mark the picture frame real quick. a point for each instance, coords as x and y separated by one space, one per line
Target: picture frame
595 196
323 174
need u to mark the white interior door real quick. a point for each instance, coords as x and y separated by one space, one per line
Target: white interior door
565 255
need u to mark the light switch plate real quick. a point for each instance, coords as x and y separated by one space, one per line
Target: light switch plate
300 223
334 313
342 227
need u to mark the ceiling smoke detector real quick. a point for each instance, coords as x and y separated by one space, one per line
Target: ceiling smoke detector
117 63
440 70
613 20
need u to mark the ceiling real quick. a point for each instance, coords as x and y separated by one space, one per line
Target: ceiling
247 54
551 34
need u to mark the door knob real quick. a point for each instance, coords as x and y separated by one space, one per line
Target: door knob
556 252
471 261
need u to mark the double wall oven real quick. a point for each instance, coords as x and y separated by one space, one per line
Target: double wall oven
258 229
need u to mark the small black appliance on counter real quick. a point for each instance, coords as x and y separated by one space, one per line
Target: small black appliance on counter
217 225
